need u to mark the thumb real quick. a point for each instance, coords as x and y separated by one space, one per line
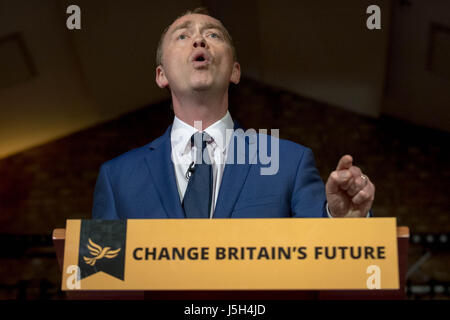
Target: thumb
345 162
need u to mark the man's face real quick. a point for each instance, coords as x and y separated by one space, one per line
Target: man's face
196 56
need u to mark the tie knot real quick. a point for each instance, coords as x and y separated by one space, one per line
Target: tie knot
200 139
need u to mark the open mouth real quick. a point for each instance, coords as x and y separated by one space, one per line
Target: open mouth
200 60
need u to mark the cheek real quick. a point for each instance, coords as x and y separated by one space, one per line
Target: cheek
175 55
173 65
226 66
226 60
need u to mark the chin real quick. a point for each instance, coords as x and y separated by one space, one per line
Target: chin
201 85
201 88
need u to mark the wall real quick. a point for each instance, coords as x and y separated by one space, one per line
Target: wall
52 103
320 50
117 50
323 50
414 92
83 77
42 187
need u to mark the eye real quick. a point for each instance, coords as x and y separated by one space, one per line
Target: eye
181 37
214 35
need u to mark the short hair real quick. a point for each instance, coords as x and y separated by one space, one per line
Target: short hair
198 10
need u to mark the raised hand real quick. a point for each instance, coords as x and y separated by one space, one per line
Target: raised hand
349 192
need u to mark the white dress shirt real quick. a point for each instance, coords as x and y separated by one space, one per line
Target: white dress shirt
183 154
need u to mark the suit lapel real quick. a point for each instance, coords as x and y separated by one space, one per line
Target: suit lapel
161 168
235 174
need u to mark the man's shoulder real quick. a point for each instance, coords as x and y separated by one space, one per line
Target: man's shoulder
128 157
285 146
134 155
287 153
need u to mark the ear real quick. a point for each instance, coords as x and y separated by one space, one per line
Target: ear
161 79
236 73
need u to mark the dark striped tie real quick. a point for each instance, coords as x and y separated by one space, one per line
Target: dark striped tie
197 199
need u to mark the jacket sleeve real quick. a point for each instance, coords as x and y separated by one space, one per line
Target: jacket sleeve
308 195
104 204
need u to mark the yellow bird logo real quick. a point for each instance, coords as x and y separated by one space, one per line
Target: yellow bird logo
98 253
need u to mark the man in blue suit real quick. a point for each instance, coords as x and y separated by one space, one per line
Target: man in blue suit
205 166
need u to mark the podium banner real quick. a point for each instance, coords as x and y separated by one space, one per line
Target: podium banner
231 254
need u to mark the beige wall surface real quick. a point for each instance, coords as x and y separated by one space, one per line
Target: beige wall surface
116 48
415 92
54 102
323 50
318 49
83 77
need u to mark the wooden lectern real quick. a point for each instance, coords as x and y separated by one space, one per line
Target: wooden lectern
402 241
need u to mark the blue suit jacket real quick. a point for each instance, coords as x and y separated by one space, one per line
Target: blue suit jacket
140 184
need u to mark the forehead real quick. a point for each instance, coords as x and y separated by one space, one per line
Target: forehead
195 19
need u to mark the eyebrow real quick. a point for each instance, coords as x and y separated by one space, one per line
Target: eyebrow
184 25
210 25
207 25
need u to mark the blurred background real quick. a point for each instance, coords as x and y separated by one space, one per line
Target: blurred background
73 99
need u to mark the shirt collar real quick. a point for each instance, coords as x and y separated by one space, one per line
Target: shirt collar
181 133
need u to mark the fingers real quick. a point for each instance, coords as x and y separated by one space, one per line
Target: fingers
348 180
366 194
336 180
358 184
355 171
347 177
348 184
341 178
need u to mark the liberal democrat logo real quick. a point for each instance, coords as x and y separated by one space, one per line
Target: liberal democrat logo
99 253
102 248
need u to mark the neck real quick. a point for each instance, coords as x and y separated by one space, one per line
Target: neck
200 107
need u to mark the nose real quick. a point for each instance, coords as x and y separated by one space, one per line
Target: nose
199 42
